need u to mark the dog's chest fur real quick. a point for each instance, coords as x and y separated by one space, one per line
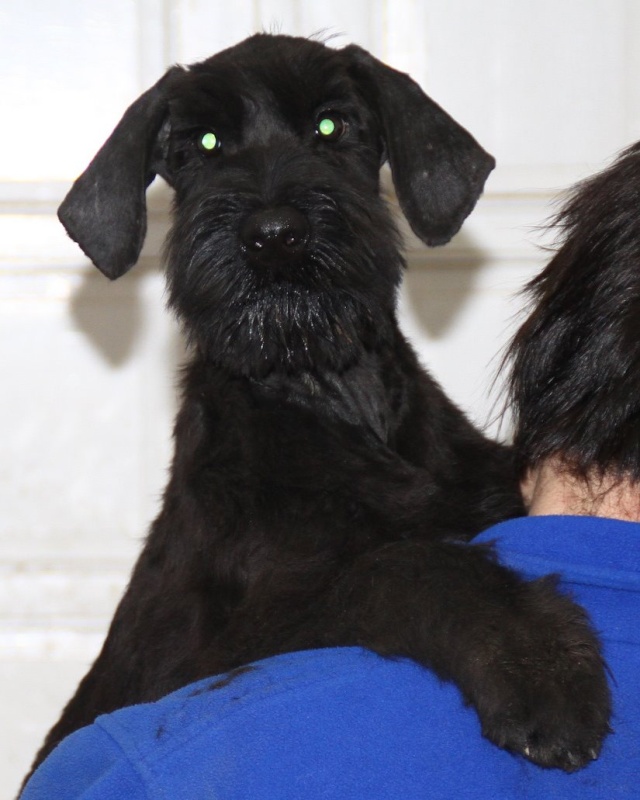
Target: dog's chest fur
287 442
360 395
290 468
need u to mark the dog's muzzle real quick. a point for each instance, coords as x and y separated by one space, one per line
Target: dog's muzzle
275 235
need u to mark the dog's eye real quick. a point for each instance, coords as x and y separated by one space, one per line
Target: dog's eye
330 127
208 142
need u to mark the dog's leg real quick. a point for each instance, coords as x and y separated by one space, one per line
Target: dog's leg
363 519
524 655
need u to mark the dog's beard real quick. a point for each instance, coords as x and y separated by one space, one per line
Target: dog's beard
318 312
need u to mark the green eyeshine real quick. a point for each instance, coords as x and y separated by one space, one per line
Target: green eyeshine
326 127
209 141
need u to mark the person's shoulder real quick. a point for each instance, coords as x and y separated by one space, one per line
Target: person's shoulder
274 681
296 724
87 764
552 543
553 524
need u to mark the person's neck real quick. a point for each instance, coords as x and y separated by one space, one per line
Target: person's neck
552 489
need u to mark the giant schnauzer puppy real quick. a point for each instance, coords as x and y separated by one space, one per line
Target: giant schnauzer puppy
323 488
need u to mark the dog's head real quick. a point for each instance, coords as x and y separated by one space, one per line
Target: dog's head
575 383
281 252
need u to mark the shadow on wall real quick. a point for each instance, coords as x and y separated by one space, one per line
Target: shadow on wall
439 284
122 318
115 316
110 315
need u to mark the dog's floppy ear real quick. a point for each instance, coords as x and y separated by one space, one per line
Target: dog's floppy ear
438 168
105 209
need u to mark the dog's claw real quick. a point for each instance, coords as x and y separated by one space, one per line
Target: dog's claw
574 760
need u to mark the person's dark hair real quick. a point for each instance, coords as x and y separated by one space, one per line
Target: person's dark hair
575 362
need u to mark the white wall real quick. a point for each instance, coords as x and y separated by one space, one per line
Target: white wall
550 88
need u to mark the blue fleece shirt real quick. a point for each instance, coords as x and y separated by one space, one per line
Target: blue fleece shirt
345 723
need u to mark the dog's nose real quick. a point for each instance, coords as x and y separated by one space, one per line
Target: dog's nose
275 234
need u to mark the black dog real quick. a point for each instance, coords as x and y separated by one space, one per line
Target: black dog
322 484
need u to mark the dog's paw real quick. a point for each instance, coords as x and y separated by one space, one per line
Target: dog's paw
544 692
553 725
